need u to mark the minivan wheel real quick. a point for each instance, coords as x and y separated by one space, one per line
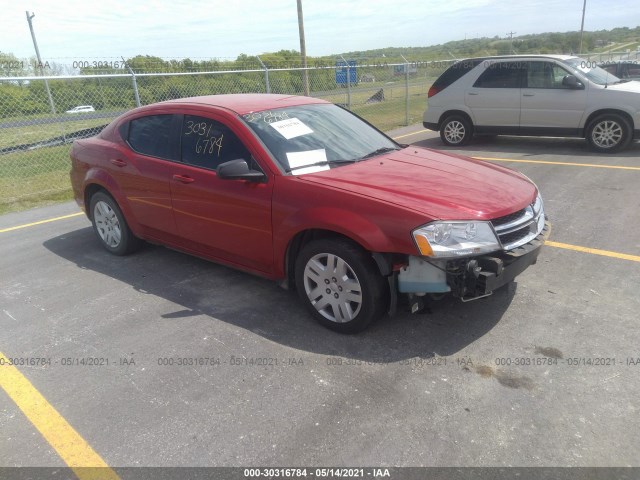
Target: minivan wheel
340 285
456 130
608 133
110 225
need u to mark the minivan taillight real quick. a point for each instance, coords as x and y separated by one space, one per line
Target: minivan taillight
432 91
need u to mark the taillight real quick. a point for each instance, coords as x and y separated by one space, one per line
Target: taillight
432 91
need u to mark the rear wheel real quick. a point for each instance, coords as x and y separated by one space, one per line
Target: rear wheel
456 131
340 285
110 225
609 133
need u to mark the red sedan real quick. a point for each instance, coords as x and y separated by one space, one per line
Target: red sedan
302 191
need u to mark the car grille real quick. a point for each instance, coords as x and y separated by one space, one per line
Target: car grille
519 227
509 238
508 218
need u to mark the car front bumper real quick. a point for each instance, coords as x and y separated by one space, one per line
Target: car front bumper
471 277
500 268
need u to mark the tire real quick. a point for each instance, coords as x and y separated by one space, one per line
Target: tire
110 225
340 285
456 131
609 133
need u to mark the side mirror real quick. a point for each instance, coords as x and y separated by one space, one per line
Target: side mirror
572 82
239 170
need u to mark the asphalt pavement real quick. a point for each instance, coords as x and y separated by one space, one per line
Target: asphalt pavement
162 359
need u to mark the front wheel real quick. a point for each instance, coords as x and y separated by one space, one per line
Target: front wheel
456 131
609 133
340 285
110 225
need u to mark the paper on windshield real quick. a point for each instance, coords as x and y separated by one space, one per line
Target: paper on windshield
291 128
302 159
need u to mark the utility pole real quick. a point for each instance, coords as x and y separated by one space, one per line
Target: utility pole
35 45
303 50
584 8
511 34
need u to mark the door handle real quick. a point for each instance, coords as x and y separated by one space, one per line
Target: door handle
118 163
528 94
473 93
183 179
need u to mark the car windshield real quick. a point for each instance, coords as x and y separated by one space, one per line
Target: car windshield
310 138
590 70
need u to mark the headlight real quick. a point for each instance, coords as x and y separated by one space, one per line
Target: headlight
537 206
455 239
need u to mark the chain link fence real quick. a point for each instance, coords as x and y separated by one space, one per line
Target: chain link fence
38 121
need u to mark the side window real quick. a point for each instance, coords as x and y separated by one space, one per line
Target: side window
538 75
557 73
633 71
207 143
151 135
500 75
611 69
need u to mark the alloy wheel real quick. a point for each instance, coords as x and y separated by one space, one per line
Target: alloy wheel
332 287
107 224
454 131
607 134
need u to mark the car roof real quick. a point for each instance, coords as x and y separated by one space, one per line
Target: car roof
515 57
242 103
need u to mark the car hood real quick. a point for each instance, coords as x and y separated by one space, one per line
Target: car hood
630 86
439 185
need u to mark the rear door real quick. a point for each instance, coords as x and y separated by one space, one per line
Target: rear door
226 219
145 170
494 98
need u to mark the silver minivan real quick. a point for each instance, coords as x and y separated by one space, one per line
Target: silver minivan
535 95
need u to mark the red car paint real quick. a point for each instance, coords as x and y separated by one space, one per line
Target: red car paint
376 202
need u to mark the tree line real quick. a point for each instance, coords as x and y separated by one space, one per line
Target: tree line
19 98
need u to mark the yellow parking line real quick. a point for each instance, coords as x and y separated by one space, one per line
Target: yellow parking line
593 165
594 251
18 227
544 162
409 134
72 448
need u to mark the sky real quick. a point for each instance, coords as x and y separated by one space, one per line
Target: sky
76 30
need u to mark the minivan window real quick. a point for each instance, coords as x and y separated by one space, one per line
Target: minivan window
545 75
455 72
501 75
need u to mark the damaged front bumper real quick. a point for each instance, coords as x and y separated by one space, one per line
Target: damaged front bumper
472 277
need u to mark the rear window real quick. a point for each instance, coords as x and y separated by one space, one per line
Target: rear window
455 72
151 135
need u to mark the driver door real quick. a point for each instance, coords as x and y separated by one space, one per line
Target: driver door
226 219
547 104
